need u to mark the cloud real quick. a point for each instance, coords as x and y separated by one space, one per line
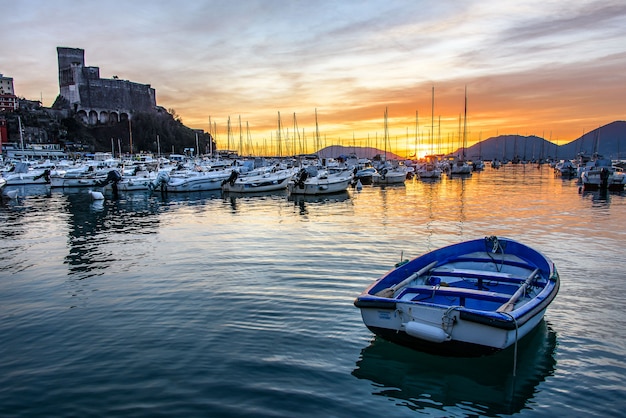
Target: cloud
529 65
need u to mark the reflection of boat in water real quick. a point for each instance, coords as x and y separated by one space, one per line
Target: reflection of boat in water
194 197
485 386
599 198
236 198
304 202
25 190
321 199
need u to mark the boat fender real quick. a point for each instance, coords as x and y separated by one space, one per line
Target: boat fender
426 332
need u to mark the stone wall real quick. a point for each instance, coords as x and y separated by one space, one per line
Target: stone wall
117 95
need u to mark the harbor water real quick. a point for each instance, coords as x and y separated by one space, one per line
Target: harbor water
204 304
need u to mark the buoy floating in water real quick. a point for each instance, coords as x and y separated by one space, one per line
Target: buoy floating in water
359 185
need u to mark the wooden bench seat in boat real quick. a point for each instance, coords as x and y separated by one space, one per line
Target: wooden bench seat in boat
501 259
478 274
419 292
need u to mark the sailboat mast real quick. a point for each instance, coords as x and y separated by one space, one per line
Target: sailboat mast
228 134
280 153
19 122
317 133
416 133
432 117
386 134
465 125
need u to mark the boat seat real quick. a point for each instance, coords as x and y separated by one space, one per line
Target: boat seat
478 274
424 292
498 260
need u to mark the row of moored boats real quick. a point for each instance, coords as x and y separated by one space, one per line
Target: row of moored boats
305 176
593 173
308 175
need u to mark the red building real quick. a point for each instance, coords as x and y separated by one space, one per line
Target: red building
4 134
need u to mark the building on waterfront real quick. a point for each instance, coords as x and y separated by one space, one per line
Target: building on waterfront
8 100
98 100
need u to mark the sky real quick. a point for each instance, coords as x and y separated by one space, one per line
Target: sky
327 72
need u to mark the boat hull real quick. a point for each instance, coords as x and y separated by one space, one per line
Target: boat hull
469 339
87 181
196 184
317 186
265 183
23 179
133 184
595 181
389 178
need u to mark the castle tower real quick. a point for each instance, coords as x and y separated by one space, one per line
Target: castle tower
98 100
71 64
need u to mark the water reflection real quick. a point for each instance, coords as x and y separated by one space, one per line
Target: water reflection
303 202
484 385
94 225
19 192
191 198
599 198
236 198
15 208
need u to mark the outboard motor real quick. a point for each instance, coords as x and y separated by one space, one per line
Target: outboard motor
232 178
45 175
161 181
113 177
604 178
302 176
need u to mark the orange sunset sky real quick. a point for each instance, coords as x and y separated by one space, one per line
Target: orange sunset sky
530 67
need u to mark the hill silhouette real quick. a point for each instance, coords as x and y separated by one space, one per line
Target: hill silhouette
608 140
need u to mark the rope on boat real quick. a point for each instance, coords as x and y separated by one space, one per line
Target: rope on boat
448 319
515 347
493 242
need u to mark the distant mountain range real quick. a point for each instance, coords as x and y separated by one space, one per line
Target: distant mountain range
608 140
335 151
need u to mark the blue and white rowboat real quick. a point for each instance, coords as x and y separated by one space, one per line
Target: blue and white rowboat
466 300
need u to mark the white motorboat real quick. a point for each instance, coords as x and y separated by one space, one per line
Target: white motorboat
429 170
189 180
314 181
389 175
459 167
23 174
198 181
600 174
275 179
565 168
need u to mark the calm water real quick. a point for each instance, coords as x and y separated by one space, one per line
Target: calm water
210 305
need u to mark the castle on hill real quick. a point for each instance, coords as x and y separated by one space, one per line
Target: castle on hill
98 100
